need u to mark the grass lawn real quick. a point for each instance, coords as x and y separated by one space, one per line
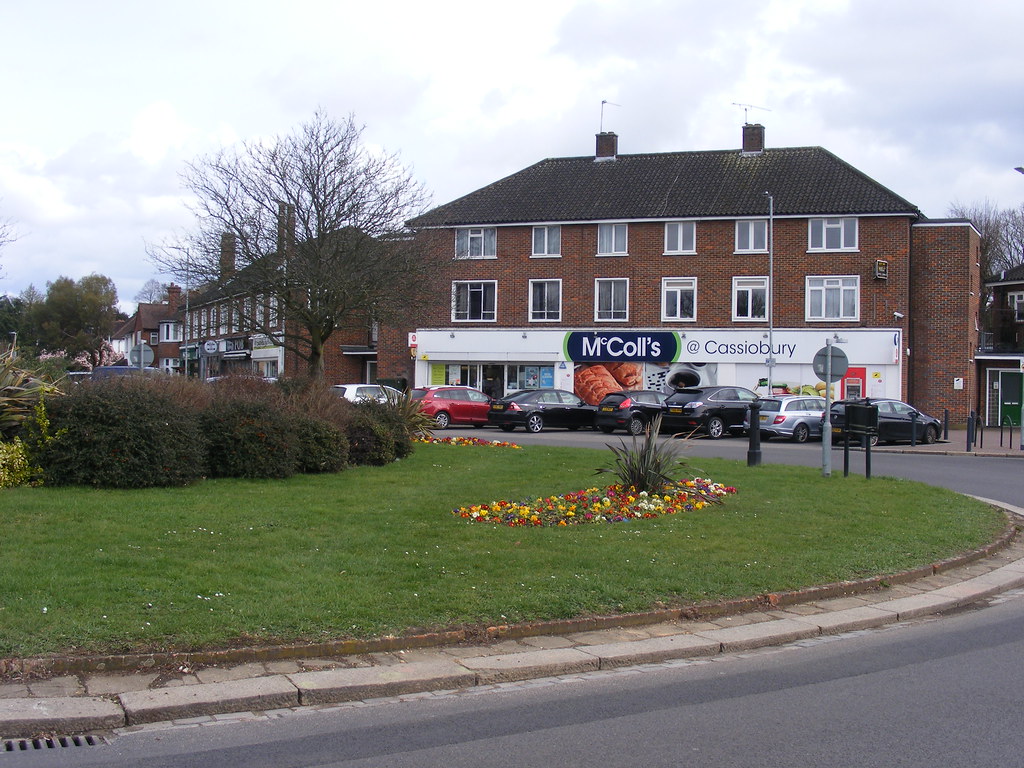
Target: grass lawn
374 551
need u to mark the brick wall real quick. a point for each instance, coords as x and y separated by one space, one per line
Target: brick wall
944 310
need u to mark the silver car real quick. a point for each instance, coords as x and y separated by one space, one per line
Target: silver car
797 417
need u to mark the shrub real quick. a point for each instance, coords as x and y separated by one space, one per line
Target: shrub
322 447
371 441
249 438
117 433
19 393
647 467
15 468
391 421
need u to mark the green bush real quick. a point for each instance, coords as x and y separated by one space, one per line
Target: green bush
248 438
371 440
392 420
322 447
116 434
15 468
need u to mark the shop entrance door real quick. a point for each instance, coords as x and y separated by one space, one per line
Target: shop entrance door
1011 385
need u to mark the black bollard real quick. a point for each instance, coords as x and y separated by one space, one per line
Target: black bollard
754 447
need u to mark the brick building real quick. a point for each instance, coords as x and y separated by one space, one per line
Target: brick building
729 267
158 325
1001 354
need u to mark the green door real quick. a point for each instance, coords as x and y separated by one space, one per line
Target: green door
1011 386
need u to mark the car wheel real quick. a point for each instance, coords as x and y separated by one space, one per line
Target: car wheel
607 430
715 427
507 427
800 433
635 426
534 423
442 419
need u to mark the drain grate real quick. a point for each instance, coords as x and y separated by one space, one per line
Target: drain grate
52 742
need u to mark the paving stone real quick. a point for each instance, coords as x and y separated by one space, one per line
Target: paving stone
69 685
548 642
281 667
338 685
20 718
13 691
617 635
917 605
224 674
834 622
272 692
104 685
524 666
758 635
652 650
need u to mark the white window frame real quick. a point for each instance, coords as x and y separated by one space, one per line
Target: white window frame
612 239
547 241
613 281
471 286
1016 301
476 243
680 237
843 233
818 288
748 285
678 286
546 311
748 233
170 332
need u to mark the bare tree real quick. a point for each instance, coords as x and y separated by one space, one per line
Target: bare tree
313 221
152 292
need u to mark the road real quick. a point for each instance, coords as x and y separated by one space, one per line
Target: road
940 692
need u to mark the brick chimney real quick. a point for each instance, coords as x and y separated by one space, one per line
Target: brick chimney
227 255
753 139
173 296
607 146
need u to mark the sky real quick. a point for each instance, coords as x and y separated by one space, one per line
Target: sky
104 102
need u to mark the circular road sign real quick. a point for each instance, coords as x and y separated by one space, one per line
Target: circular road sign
141 353
840 363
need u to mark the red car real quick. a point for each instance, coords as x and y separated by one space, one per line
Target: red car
453 405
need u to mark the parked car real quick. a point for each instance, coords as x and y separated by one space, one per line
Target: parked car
895 420
535 409
357 392
453 405
631 410
711 410
797 417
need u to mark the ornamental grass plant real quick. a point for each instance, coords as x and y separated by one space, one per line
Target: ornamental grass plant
376 550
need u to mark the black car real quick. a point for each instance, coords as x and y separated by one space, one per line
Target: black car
896 421
631 410
711 410
535 409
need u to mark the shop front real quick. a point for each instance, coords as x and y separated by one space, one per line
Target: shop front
594 362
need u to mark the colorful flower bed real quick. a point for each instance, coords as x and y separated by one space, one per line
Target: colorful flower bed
464 441
596 505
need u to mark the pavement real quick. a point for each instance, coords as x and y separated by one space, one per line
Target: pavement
60 697
987 442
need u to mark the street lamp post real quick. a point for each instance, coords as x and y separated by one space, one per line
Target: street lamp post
770 297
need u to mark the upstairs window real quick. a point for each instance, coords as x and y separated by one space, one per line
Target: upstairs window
611 299
678 298
547 241
479 243
1016 301
833 298
474 300
545 300
680 237
833 235
749 298
611 239
752 236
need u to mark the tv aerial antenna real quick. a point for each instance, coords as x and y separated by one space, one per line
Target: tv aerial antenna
747 108
603 102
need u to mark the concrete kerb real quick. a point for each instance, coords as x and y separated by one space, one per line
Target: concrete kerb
28 717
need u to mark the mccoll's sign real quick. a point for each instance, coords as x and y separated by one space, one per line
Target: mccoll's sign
608 346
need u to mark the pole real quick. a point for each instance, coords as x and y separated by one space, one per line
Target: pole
770 298
826 427
754 445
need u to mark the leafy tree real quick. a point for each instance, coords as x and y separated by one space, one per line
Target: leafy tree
315 221
78 317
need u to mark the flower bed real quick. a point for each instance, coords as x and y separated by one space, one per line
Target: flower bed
613 504
464 441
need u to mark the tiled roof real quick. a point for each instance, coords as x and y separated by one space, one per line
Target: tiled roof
723 183
1009 276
